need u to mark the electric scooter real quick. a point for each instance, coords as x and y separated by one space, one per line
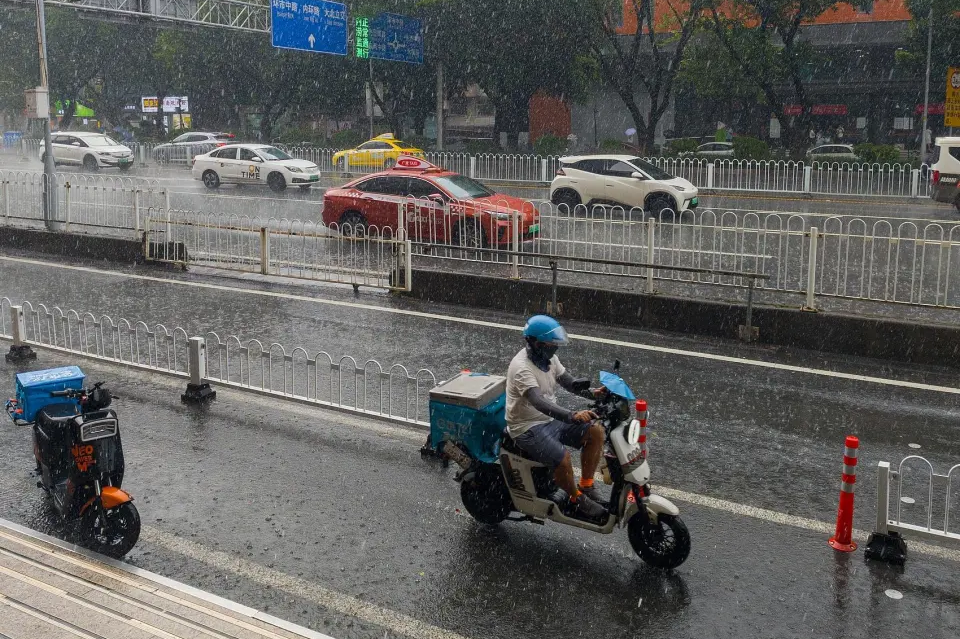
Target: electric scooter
76 444
491 492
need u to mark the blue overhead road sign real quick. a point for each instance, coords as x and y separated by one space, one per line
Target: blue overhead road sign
309 25
396 37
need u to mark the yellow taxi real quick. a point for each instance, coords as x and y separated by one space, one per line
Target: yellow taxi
380 152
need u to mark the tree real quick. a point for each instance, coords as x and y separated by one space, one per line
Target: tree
650 58
946 41
762 37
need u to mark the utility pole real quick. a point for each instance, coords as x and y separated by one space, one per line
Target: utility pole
926 87
440 94
49 178
371 101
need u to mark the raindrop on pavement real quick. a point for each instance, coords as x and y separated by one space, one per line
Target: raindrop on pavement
914 445
908 500
893 594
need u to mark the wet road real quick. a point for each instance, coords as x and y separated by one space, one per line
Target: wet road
187 193
336 523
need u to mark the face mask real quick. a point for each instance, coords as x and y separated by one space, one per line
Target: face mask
549 350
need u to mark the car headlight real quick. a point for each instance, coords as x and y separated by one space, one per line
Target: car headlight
295 169
500 215
680 188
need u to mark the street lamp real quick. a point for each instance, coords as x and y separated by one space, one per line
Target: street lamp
926 86
49 179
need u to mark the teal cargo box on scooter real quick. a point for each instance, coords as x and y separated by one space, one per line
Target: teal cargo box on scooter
34 388
469 410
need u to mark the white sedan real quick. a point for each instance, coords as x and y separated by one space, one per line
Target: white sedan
254 164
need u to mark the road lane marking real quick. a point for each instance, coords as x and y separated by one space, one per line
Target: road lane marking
726 359
295 586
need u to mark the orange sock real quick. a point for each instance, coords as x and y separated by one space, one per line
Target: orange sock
573 497
586 483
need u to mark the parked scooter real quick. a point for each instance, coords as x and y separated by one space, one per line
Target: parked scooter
76 444
492 491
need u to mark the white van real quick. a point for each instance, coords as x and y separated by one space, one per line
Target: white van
946 171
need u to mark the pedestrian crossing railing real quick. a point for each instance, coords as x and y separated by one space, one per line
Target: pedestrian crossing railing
314 377
85 203
927 518
354 254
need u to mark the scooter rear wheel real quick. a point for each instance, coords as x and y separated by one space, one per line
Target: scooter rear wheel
115 536
485 495
664 543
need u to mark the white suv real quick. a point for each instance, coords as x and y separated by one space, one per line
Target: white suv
622 180
92 151
946 171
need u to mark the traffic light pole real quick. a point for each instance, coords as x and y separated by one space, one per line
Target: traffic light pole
49 177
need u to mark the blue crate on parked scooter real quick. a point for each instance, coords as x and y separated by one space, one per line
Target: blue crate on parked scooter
469 409
34 388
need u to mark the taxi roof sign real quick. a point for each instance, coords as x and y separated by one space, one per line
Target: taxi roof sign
385 136
410 163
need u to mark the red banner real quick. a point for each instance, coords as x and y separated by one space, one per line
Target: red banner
817 109
933 109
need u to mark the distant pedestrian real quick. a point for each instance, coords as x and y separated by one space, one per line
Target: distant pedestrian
839 133
721 135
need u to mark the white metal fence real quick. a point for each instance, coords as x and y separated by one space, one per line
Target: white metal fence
85 203
359 256
934 521
721 175
366 387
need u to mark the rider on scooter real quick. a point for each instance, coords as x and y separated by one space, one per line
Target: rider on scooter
541 428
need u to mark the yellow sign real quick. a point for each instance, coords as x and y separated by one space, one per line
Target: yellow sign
951 111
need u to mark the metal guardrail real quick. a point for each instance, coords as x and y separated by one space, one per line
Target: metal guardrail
86 203
316 378
887 543
722 175
372 256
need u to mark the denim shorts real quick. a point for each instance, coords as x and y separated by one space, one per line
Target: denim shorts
546 443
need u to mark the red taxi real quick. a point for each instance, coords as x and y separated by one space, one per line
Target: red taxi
436 205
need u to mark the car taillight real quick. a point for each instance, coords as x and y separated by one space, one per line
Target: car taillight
221 144
560 171
936 177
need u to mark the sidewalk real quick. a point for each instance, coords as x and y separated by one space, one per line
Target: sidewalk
52 589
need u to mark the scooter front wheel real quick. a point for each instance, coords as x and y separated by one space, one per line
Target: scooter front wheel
664 543
485 495
112 532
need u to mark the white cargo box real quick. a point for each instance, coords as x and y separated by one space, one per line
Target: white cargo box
472 390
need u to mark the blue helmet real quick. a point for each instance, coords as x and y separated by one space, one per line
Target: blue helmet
545 329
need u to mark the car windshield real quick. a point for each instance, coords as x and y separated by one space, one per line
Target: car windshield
273 153
101 140
462 187
651 170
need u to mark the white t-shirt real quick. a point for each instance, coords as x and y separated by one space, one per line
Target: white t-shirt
522 375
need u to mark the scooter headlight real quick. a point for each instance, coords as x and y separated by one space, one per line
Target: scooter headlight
633 433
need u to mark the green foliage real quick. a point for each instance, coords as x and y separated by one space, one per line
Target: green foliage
548 144
879 153
684 145
419 142
478 147
347 138
746 148
611 145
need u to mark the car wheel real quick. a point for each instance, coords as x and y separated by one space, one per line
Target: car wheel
90 163
467 235
657 203
957 203
569 197
211 180
389 163
353 224
276 182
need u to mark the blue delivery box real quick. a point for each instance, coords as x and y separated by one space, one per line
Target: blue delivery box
34 388
469 409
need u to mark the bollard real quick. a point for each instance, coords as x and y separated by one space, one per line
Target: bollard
642 417
843 537
198 389
19 351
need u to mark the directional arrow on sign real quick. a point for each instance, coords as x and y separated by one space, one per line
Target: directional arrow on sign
311 40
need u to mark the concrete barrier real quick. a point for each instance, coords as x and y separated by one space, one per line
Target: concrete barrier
819 331
96 247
